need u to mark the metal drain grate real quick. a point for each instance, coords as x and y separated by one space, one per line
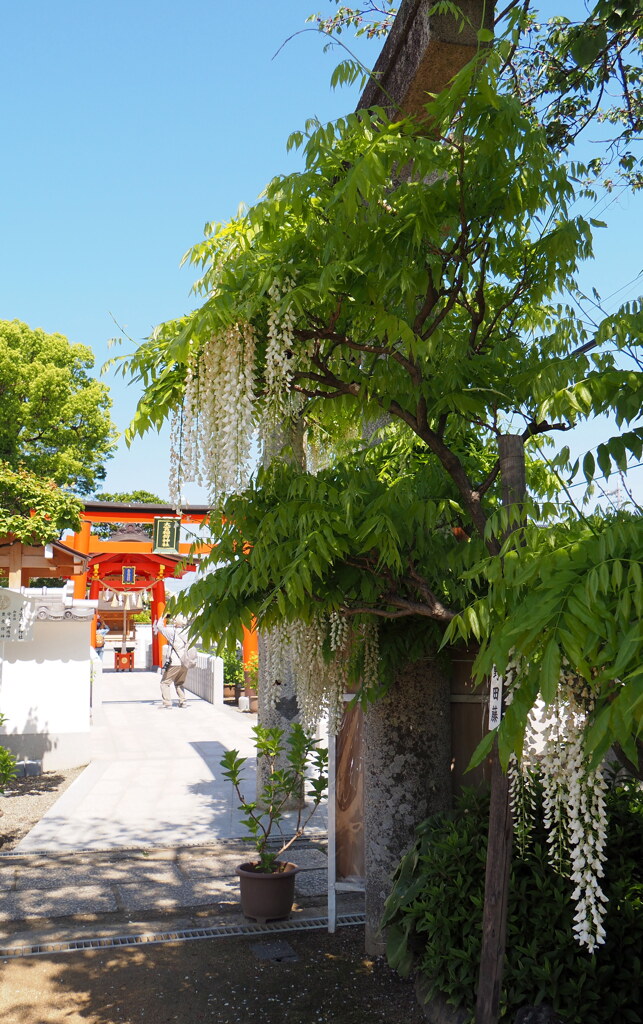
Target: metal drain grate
319 835
221 931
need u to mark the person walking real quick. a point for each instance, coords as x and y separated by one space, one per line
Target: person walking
101 632
178 660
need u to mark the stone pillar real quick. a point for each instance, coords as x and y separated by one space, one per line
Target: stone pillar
407 777
284 711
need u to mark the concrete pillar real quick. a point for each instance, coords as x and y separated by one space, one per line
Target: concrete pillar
407 755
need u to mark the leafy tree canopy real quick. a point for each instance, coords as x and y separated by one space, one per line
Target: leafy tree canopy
55 418
576 69
140 497
582 68
567 593
379 533
33 509
105 530
433 295
421 275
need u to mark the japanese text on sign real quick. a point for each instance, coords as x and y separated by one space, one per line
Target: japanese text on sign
166 535
495 700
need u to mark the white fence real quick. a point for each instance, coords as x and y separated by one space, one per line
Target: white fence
206 679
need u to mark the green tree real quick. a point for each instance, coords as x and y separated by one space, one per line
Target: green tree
105 530
582 68
33 510
381 532
55 417
416 273
433 294
572 594
578 69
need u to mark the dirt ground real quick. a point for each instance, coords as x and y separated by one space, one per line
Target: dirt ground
295 978
316 979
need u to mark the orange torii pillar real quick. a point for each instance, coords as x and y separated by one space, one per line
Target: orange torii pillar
250 644
94 594
81 543
158 611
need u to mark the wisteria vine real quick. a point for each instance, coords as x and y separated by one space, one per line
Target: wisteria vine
573 797
321 654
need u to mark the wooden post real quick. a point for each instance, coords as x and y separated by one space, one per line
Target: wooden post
496 892
158 611
250 645
81 543
94 592
14 571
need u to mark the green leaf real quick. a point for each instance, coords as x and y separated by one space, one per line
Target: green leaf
550 671
588 44
482 750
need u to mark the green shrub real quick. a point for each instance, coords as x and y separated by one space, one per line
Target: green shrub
434 918
142 618
7 763
232 669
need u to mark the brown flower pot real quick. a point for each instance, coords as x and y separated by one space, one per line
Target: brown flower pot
253 699
267 897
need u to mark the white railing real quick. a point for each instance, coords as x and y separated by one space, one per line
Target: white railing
206 678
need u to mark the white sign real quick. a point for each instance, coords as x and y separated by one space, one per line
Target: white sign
12 607
495 700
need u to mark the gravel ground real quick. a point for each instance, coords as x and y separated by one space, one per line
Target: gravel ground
26 800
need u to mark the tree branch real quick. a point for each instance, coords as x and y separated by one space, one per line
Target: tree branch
543 427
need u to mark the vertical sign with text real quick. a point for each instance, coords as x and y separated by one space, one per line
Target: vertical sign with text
495 700
165 535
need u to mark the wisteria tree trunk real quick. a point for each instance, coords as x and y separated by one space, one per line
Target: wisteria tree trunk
407 777
282 712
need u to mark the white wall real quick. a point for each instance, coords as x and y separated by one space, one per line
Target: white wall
143 643
45 694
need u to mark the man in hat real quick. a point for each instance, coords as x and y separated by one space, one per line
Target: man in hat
178 660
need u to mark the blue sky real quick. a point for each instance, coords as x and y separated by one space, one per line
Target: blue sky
126 126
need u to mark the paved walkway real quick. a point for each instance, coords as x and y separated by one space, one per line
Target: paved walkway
154 779
149 834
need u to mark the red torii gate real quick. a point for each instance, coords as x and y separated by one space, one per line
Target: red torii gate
151 567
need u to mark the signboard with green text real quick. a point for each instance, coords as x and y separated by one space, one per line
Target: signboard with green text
166 535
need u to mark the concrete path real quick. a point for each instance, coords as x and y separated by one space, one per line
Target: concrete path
154 779
147 838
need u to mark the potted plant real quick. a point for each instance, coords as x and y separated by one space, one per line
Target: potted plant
251 674
289 767
232 675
